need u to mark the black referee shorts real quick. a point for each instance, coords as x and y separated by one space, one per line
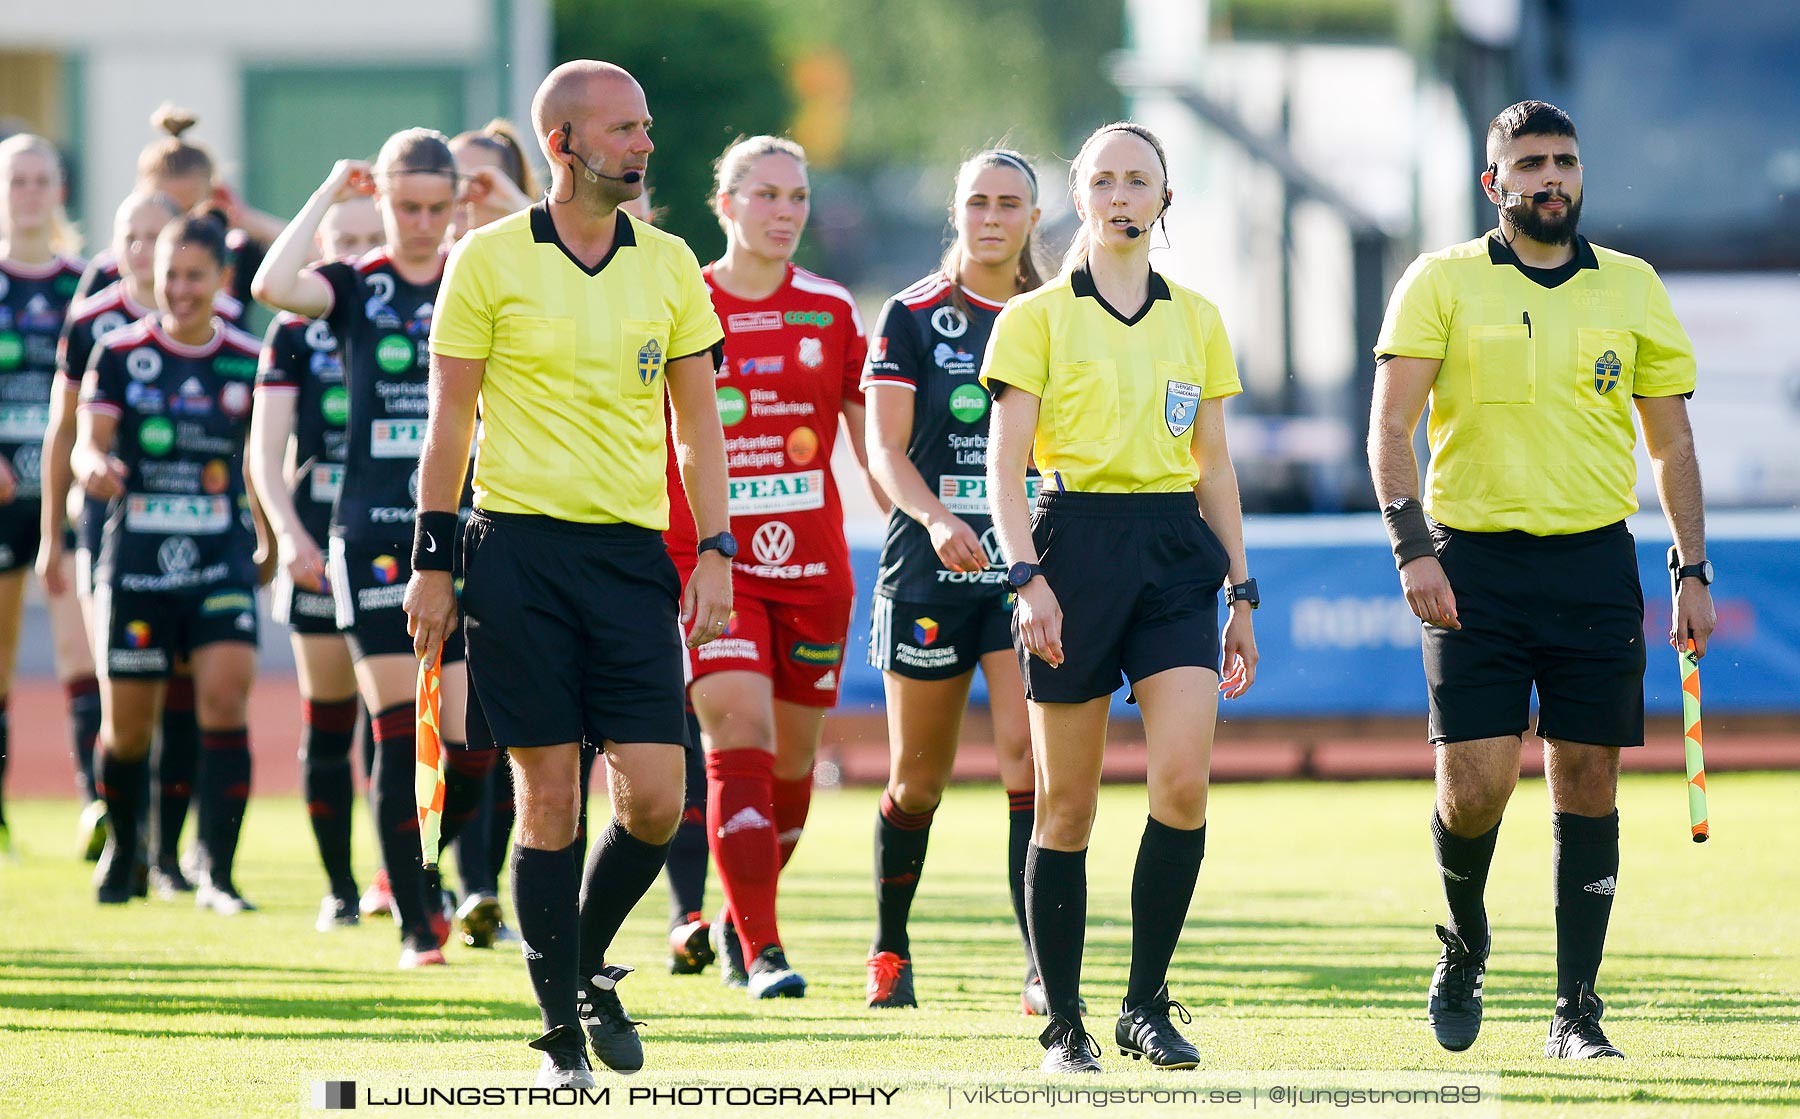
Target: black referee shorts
1138 578
573 631
1563 613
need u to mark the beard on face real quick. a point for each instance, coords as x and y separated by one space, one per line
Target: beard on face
1525 217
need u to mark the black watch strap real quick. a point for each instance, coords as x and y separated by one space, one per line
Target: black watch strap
1243 592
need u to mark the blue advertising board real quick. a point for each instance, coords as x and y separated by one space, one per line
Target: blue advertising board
1336 637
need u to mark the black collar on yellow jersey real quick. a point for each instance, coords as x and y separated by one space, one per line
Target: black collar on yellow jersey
1081 282
543 231
1499 252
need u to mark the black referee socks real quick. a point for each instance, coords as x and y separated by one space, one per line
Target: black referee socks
1463 865
1585 860
1056 898
1168 863
543 889
620 873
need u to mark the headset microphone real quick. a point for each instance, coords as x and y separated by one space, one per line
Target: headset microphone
629 178
1133 232
1512 197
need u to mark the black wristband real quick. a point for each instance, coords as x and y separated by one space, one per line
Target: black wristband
434 541
1408 531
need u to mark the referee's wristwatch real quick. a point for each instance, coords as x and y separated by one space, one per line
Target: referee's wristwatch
724 543
1702 571
1243 592
1021 573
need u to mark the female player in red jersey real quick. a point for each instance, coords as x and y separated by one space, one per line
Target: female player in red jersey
380 308
296 458
38 274
942 606
165 408
794 350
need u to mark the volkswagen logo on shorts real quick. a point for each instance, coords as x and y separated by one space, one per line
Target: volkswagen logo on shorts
177 555
773 543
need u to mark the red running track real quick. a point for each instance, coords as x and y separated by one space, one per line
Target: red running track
855 748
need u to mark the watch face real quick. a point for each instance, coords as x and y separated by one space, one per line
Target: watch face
1706 572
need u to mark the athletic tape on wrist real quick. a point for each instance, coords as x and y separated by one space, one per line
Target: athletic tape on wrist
1408 531
434 541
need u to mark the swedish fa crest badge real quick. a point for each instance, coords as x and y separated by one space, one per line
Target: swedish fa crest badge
1606 372
650 361
1180 402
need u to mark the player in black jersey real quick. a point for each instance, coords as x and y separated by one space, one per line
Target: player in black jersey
160 437
135 227
942 605
298 443
379 308
36 284
184 172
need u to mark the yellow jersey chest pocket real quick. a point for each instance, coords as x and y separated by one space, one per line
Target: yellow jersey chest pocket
643 356
1604 362
1084 401
1502 365
542 352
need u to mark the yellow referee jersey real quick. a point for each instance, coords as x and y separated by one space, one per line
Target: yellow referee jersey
572 422
1119 395
1531 418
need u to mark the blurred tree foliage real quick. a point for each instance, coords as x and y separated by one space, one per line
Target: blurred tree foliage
868 85
711 71
934 80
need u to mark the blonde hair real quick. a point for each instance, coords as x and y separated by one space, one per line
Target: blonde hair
1082 246
169 156
1028 277
65 239
734 163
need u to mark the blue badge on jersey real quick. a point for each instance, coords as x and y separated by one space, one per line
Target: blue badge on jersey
1606 372
1181 401
650 361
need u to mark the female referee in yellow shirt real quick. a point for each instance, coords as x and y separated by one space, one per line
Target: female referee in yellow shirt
1113 378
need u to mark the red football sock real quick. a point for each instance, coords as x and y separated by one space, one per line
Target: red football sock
740 829
793 800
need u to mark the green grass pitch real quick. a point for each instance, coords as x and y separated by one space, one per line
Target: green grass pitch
1308 946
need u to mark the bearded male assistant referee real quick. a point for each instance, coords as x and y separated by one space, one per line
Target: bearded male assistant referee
565 319
1535 349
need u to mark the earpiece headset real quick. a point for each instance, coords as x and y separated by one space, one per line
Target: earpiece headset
633 176
1512 197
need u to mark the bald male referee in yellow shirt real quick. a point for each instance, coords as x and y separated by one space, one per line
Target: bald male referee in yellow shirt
1534 348
566 320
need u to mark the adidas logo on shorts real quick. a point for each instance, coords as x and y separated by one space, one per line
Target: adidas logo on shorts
827 681
747 819
1604 886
